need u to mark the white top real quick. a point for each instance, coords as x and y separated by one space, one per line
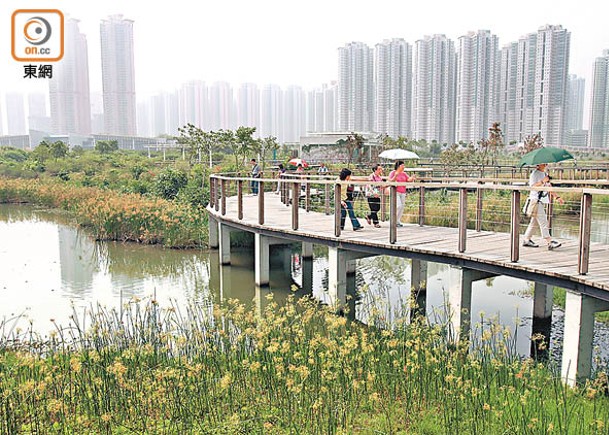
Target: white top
535 177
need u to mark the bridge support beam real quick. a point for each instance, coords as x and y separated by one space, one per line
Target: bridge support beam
307 250
307 274
214 240
579 331
460 300
418 288
542 321
224 245
340 262
262 259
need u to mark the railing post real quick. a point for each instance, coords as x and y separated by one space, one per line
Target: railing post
307 195
240 199
462 219
515 227
393 233
383 204
223 197
550 213
295 200
421 206
217 196
479 196
212 192
261 203
285 196
337 209
327 198
585 224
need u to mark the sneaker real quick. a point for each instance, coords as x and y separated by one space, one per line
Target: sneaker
530 244
377 225
358 228
400 224
554 244
368 220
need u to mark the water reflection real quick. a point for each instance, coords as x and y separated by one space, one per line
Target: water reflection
49 265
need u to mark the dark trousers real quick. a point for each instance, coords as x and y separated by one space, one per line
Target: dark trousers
375 205
254 186
343 216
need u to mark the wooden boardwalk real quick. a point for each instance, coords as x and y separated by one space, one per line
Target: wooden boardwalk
486 250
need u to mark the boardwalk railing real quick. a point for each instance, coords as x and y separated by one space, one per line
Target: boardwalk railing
497 207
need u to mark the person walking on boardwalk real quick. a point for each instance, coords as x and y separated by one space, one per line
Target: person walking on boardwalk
346 201
373 193
279 176
255 174
535 208
398 175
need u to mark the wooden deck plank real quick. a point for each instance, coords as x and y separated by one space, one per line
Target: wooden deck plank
484 246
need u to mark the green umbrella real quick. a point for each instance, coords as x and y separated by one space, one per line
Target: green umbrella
544 155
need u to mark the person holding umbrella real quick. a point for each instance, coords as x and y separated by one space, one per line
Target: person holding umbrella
534 208
398 175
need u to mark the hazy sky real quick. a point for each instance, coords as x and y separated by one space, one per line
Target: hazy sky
289 42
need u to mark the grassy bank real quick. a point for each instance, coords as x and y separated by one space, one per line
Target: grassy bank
294 369
110 215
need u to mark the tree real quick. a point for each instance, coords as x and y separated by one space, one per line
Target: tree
489 148
198 142
106 146
532 143
268 144
354 142
246 144
59 149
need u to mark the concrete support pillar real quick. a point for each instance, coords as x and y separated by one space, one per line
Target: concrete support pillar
341 263
226 283
579 331
214 276
261 260
541 330
214 240
307 275
337 277
460 300
307 250
351 267
418 288
224 238
260 299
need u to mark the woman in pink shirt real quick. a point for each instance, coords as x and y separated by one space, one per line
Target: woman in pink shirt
398 175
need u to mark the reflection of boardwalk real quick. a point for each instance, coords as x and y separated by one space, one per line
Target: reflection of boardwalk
486 250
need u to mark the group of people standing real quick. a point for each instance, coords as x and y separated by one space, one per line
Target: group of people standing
534 206
373 195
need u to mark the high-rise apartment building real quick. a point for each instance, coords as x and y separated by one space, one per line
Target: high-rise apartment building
294 113
192 103
477 85
599 105
221 107
248 106
69 88
355 87
37 113
118 76
433 93
551 79
15 114
575 103
393 87
271 112
533 86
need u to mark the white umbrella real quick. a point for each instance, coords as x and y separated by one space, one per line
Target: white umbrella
398 154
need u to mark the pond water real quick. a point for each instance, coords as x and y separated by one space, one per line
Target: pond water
49 268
